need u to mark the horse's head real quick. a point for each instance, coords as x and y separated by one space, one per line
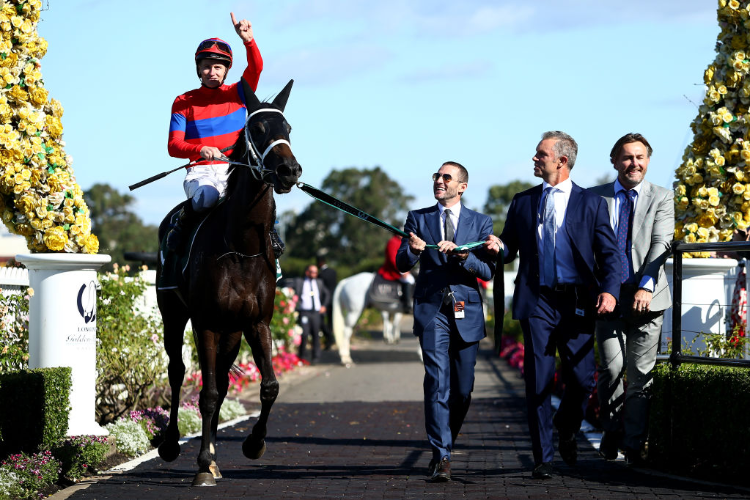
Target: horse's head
266 140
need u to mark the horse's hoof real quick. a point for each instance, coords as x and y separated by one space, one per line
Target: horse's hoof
169 451
204 479
253 451
215 470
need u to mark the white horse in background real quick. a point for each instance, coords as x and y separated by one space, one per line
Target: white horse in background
349 301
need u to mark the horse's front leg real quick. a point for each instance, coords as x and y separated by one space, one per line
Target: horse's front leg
175 318
255 445
208 404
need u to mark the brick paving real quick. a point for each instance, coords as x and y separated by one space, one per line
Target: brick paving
375 447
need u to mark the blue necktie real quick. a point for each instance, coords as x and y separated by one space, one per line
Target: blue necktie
623 225
548 239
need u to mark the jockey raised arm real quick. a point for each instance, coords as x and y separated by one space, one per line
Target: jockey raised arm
206 123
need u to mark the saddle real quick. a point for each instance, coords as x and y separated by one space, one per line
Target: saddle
384 293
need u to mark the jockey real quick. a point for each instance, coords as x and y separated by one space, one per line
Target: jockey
206 123
389 272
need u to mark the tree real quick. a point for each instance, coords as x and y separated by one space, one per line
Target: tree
119 229
348 242
498 200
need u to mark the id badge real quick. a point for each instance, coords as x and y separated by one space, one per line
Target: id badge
580 312
458 310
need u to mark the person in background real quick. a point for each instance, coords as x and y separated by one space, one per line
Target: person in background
328 276
642 216
312 304
389 271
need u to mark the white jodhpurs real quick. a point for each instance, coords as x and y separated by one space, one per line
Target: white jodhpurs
205 184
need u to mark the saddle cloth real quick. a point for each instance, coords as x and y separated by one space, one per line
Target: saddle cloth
383 291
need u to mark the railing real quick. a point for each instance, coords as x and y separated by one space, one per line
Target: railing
676 357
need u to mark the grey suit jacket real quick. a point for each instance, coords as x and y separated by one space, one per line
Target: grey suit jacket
652 236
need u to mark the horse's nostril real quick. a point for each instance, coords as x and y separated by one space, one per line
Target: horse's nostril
284 170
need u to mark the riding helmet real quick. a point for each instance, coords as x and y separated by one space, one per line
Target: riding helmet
214 48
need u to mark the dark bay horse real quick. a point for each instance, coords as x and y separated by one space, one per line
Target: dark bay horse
230 282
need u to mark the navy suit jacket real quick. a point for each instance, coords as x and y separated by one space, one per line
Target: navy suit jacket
595 252
438 271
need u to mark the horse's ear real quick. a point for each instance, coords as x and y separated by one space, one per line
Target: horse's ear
281 99
251 100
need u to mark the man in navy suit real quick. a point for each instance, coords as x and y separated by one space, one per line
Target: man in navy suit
568 275
448 315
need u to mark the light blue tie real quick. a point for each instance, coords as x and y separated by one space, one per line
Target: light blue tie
548 239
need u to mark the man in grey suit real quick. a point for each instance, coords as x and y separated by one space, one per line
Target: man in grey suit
642 217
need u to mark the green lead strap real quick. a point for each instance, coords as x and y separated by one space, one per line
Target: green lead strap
349 209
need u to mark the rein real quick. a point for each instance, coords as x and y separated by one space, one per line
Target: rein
349 209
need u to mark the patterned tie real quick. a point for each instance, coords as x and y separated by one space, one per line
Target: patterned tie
548 241
450 232
623 225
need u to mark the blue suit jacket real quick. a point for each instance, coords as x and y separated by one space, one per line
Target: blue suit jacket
438 271
593 243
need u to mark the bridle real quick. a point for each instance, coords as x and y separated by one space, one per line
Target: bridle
257 164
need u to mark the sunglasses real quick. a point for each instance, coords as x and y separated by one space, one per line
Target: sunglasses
446 177
207 44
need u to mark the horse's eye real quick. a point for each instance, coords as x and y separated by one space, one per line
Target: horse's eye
259 128
288 128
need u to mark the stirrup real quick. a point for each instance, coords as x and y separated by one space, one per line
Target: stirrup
174 236
276 244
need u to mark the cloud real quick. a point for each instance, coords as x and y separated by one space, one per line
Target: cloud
450 19
325 65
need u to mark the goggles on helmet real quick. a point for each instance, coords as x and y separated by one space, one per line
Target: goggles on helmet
214 42
214 48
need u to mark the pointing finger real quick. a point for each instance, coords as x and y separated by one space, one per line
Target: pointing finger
234 21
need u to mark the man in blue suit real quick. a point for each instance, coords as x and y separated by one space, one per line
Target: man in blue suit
568 275
448 315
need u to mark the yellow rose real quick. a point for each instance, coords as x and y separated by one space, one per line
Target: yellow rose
38 96
55 238
713 201
689 238
91 245
738 188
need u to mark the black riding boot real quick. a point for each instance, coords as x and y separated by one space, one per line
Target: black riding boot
276 243
182 221
407 297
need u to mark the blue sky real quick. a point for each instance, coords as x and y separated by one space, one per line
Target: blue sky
404 85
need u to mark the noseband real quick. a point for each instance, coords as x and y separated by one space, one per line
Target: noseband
257 166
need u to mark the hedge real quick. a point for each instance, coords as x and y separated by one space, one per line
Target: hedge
36 405
699 421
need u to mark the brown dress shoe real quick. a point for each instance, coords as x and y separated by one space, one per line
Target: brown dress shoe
442 471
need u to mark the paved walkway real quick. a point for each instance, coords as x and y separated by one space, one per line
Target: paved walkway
367 440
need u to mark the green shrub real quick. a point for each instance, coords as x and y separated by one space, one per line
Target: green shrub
9 487
130 359
130 436
81 454
33 472
188 421
698 423
14 331
41 404
231 409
